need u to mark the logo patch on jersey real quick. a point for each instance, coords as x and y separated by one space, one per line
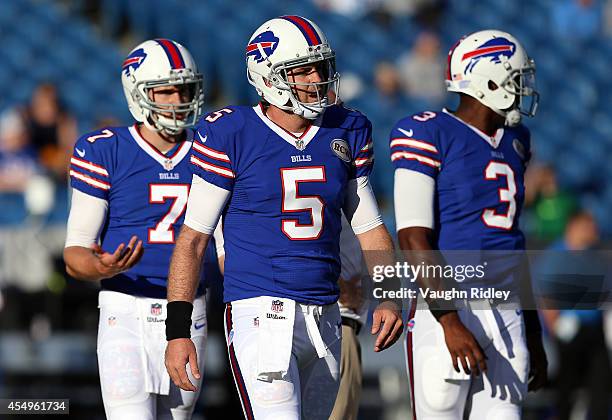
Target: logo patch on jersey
156 309
262 46
277 306
410 325
134 60
407 133
493 49
168 164
80 152
519 148
341 148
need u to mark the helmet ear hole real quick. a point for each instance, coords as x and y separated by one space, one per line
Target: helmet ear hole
492 85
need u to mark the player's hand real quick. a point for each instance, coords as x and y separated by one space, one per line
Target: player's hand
538 373
124 257
178 352
387 323
462 345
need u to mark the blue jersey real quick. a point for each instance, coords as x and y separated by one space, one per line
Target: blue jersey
147 194
282 223
479 180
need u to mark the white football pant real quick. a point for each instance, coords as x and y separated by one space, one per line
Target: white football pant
131 347
440 393
308 389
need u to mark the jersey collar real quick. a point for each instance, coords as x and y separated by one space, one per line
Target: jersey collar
167 162
299 142
494 141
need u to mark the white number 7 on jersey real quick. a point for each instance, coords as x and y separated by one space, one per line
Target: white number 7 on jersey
163 233
292 202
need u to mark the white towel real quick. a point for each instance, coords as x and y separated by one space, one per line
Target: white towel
312 313
275 341
157 380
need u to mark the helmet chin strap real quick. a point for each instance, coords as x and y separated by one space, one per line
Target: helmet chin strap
158 127
151 126
513 117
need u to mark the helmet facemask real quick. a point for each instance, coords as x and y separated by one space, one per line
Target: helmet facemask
171 118
281 77
325 64
521 84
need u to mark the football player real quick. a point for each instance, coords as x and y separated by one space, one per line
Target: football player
281 173
130 188
459 186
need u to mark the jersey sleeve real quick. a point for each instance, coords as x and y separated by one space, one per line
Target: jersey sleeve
413 147
91 164
210 158
363 153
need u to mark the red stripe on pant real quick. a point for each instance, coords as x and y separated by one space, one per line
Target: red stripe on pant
238 379
410 355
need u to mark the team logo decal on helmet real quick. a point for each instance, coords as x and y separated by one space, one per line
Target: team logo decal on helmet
493 49
262 46
133 61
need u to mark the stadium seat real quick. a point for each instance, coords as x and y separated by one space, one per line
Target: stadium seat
50 44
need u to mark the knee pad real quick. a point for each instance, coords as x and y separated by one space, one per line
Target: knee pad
503 412
271 393
121 372
281 415
439 392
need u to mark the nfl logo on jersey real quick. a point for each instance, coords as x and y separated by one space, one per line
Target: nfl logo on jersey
277 306
156 309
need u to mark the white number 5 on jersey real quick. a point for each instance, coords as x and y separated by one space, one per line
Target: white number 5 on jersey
163 233
293 202
489 217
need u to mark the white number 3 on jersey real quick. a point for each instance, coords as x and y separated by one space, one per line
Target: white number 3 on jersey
489 217
163 233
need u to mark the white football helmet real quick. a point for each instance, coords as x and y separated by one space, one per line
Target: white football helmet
493 67
285 43
162 62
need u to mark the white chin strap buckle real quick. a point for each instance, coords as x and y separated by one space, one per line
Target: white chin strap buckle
513 117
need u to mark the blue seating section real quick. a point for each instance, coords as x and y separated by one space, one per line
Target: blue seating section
573 130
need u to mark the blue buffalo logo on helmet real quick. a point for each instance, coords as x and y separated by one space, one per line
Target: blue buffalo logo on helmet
262 46
134 60
493 49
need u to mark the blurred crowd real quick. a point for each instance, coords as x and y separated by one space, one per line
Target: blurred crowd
36 140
